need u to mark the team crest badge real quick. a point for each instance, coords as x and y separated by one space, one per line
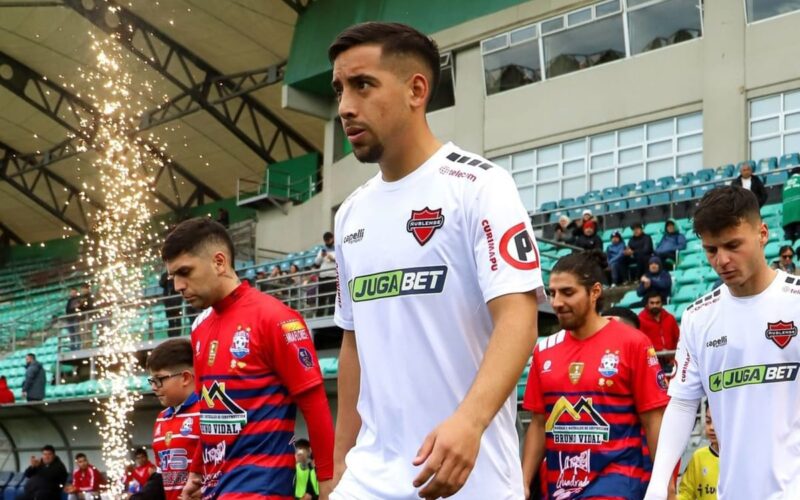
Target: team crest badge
304 355
212 352
423 223
240 347
781 332
575 372
186 426
608 364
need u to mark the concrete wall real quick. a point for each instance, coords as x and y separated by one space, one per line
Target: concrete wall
717 74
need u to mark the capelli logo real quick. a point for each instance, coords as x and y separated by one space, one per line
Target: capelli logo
720 342
354 237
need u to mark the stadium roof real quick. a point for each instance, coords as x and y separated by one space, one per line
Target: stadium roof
229 128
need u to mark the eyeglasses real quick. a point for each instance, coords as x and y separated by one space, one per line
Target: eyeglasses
158 382
787 256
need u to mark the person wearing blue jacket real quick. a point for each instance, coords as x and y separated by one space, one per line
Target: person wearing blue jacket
617 260
656 278
672 242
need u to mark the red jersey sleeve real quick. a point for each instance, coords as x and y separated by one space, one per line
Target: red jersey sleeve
533 400
648 381
290 351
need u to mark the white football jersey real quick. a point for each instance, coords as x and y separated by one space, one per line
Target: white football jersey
418 261
742 352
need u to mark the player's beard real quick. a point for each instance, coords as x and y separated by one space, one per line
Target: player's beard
372 154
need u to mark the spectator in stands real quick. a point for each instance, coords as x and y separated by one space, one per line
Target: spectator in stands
623 315
617 261
563 230
136 475
46 476
223 217
671 243
173 303
33 385
311 287
588 239
294 282
326 260
699 481
656 278
6 396
73 307
260 283
751 182
306 486
660 327
791 206
785 260
640 249
86 480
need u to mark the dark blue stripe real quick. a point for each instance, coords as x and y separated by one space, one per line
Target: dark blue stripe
612 485
588 394
604 408
616 432
236 377
269 443
257 480
264 412
631 457
255 392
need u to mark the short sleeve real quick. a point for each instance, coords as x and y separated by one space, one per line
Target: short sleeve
290 351
504 247
648 381
532 400
687 383
343 311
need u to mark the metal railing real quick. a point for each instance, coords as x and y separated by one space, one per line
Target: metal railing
301 188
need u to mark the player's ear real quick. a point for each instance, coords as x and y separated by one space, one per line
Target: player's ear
418 90
220 261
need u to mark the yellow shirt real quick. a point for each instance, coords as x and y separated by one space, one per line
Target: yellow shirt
699 481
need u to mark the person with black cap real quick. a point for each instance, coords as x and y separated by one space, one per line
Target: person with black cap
671 243
617 261
656 278
640 248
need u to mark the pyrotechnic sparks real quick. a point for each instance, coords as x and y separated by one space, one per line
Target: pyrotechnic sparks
119 250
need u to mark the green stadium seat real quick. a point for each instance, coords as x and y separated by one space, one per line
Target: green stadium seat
772 249
629 299
688 293
789 160
692 260
688 276
772 209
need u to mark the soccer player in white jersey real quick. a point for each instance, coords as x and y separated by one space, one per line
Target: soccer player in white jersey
738 347
438 287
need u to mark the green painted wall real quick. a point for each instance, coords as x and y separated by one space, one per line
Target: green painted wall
61 249
308 68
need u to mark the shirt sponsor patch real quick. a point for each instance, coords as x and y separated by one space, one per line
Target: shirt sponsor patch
517 248
229 423
294 331
754 374
305 357
411 281
487 230
577 424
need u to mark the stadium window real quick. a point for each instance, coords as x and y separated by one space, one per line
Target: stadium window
511 60
672 146
589 37
445 96
656 24
774 125
758 10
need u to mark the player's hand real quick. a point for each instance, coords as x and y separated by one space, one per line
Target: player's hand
325 488
449 454
192 490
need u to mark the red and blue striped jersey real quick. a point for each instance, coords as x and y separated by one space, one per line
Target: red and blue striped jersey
591 393
252 355
175 439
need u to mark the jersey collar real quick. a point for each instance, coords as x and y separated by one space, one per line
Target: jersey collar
194 398
235 295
